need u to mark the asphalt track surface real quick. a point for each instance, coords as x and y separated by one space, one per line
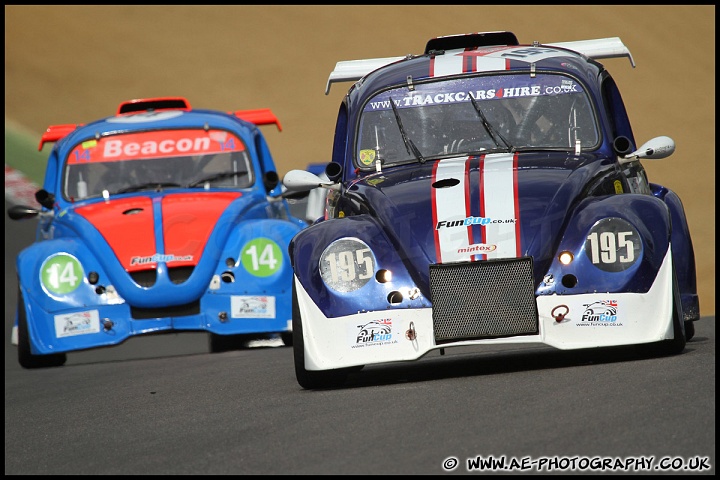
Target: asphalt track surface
164 405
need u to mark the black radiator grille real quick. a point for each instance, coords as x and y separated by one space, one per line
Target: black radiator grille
139 313
485 299
147 278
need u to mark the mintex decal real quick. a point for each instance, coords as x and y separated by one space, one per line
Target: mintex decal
478 248
155 144
479 217
479 88
248 306
376 332
78 323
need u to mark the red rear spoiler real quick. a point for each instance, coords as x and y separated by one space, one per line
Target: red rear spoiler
261 116
56 132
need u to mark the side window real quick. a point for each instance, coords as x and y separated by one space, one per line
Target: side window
615 110
340 140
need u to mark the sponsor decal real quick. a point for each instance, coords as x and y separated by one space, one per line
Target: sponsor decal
443 93
367 156
155 144
374 181
249 306
601 313
618 186
477 248
159 257
471 221
78 323
376 332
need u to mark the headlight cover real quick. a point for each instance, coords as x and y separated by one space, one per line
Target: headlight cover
613 245
347 264
61 274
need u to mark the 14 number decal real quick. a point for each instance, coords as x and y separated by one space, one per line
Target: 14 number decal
61 273
261 257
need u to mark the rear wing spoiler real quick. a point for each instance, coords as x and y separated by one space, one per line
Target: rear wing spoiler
55 132
353 70
261 116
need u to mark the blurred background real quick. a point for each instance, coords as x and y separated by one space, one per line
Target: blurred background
76 64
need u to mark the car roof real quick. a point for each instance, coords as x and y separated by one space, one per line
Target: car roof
469 53
158 113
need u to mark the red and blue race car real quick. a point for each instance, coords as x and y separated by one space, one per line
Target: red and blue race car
161 217
487 192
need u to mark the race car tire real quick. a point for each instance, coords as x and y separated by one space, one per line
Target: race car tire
287 338
25 356
689 329
677 344
227 343
310 379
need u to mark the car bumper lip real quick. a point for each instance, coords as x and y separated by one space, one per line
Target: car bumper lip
45 340
409 334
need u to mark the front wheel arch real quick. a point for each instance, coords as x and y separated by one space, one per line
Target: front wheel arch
26 358
310 379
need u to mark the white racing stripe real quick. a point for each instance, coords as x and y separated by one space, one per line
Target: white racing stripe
449 205
489 229
500 202
462 61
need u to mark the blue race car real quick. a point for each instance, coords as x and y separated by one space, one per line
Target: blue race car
487 192
159 218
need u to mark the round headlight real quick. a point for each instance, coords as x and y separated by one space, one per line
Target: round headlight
613 245
347 264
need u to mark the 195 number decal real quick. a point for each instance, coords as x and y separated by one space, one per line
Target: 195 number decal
347 264
613 245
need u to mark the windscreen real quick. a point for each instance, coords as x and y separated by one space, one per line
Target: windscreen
474 115
161 159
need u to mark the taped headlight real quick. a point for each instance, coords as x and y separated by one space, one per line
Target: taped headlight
613 245
61 274
347 264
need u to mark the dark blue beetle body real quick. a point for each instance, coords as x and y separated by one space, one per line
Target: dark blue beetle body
563 243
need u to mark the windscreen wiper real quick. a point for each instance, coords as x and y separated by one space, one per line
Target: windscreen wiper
149 185
489 128
215 176
409 145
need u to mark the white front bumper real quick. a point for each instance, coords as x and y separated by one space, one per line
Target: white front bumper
336 342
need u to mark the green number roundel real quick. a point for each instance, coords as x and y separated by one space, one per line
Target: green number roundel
261 257
61 273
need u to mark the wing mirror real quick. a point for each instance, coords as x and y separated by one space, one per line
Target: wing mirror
302 180
658 147
18 212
